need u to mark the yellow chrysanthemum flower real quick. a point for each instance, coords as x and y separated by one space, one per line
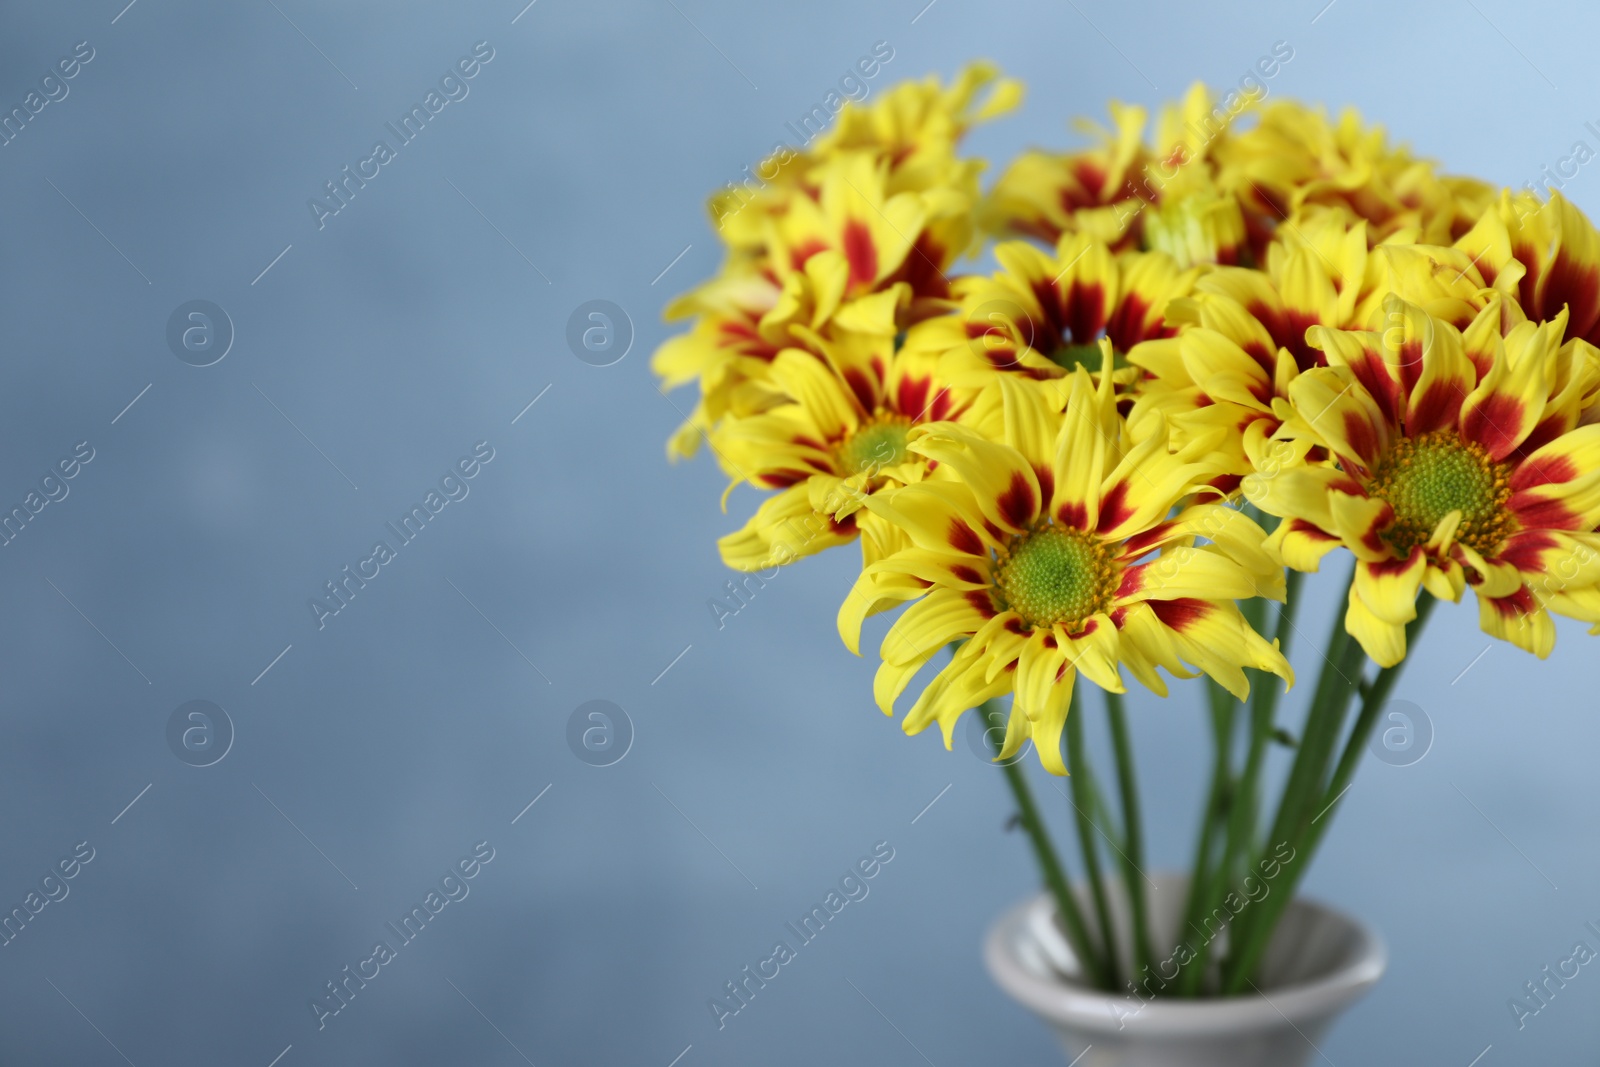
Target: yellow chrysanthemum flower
1550 251
853 259
1294 157
1041 315
1042 465
843 438
1460 462
913 129
1234 346
918 122
1241 338
1105 190
885 240
1065 546
1045 195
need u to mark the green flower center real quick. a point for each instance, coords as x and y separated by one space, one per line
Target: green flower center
1426 478
1074 356
1053 575
877 443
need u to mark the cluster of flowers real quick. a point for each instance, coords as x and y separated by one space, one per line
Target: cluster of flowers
1221 322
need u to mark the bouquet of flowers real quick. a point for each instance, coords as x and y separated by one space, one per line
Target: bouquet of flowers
1217 348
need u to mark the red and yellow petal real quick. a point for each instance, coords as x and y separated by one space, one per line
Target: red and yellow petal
1081 450
1558 486
1365 358
1187 572
1301 545
1389 588
1342 414
1446 379
1141 490
1383 641
1004 483
1360 521
783 529
1519 619
1214 637
1095 649
931 623
938 516
1509 402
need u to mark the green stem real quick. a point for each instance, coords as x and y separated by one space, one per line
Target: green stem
1082 801
1376 696
1263 717
1244 813
1133 874
1049 863
1222 707
1255 613
1337 682
1309 836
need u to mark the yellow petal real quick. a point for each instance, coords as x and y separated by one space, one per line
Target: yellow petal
1080 456
1445 580
1301 545
1389 589
1384 642
1519 621
1357 520
931 623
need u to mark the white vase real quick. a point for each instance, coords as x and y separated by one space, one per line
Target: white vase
1318 963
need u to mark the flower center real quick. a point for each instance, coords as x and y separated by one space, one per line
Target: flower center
1197 228
1073 356
1052 575
877 443
1425 478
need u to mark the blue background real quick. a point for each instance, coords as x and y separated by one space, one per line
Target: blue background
408 729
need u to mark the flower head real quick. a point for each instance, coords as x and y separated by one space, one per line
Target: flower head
847 259
1105 190
1065 545
843 436
1458 461
918 123
1549 252
1235 345
1042 315
912 131
1295 157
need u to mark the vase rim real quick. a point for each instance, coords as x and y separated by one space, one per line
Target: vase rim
1364 957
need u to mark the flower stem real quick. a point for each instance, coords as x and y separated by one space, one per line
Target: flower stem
1263 714
1202 875
1338 679
1082 800
1044 852
1308 835
1246 801
1337 682
1376 696
1243 798
1133 875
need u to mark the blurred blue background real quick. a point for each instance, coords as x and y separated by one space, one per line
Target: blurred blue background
373 753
